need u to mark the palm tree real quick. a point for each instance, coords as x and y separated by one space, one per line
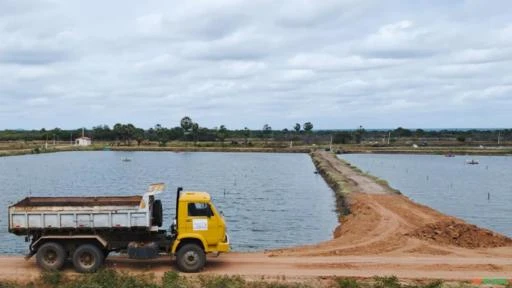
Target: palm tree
297 128
186 123
195 131
247 134
267 132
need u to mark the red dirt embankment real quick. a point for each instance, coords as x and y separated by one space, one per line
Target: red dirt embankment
383 223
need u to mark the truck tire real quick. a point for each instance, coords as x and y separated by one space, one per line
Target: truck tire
190 258
51 256
87 258
157 213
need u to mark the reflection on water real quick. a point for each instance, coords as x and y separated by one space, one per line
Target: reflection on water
268 200
480 194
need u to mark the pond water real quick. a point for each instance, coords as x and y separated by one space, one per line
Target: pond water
269 200
480 194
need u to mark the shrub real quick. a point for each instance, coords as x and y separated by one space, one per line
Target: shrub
222 282
387 282
52 278
108 278
433 284
347 283
172 279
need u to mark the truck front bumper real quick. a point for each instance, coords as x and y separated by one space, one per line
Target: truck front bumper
223 246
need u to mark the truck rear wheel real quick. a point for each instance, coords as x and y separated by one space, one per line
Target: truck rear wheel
190 258
87 258
51 256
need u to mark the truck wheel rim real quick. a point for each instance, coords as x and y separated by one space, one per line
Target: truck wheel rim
50 257
86 259
191 258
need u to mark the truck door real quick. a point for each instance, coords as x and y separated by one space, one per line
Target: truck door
200 219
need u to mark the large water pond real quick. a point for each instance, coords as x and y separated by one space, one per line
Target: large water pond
480 194
268 200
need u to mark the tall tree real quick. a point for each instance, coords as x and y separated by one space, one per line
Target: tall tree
267 132
308 127
129 133
118 132
247 134
222 134
186 123
162 135
195 132
297 128
139 135
359 134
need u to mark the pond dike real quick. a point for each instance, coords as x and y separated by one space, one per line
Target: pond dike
336 180
389 221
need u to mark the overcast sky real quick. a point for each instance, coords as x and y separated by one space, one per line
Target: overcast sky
338 64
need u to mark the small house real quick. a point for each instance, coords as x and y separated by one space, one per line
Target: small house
83 141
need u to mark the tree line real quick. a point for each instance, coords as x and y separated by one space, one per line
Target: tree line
127 134
191 131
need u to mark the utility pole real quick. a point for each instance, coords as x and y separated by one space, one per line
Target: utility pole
499 137
389 136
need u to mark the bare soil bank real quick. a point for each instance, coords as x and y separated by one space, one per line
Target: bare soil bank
385 234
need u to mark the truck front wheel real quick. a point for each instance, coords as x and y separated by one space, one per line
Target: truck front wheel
87 258
51 256
190 258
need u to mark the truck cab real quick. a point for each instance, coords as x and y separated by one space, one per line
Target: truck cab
199 229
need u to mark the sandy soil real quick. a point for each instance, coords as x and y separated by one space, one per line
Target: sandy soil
386 234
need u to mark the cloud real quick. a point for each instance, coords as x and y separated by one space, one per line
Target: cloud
326 62
339 64
402 39
37 101
478 56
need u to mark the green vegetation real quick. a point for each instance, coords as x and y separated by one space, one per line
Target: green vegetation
109 278
384 282
190 131
190 136
338 183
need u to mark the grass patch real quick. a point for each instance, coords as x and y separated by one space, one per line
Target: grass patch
336 181
383 282
109 278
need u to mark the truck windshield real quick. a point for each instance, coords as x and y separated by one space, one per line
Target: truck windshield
199 209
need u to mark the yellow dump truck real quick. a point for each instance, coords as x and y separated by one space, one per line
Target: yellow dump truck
86 229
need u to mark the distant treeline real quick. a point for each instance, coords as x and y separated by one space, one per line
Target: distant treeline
128 134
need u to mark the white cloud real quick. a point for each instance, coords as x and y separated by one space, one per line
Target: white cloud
241 63
37 101
326 62
150 24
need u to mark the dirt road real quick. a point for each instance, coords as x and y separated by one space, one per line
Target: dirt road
386 234
259 265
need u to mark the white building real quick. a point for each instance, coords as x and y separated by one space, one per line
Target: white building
83 141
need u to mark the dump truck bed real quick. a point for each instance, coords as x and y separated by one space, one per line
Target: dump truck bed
79 201
82 213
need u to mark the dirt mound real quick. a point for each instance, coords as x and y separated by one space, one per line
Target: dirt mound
460 234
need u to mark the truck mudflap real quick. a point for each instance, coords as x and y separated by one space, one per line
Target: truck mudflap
29 255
